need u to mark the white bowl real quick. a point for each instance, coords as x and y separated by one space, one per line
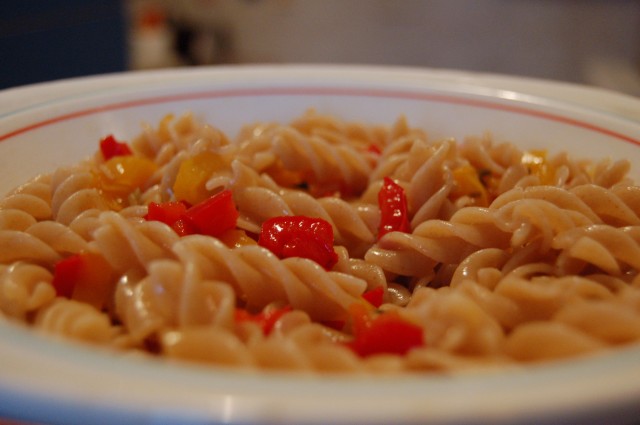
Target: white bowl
48 125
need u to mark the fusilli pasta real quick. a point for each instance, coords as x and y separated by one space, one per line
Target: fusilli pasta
440 255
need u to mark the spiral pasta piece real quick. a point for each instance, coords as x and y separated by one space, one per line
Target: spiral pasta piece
35 206
458 324
129 246
258 199
340 167
15 219
34 197
437 241
75 320
21 246
611 249
259 277
24 288
172 296
607 205
74 192
348 132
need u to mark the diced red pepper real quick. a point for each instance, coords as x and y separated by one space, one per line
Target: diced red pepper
300 236
385 333
375 296
184 227
266 319
86 277
110 147
393 208
166 212
67 272
374 149
214 215
172 214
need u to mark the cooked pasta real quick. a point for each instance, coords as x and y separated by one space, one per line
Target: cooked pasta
327 245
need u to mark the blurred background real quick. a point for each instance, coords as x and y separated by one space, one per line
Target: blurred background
595 42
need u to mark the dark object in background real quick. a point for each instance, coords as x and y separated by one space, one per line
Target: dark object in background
196 46
43 40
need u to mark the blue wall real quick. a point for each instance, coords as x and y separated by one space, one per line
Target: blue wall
42 40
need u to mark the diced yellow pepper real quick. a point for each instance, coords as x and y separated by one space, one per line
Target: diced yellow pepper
468 184
190 183
537 164
283 176
121 175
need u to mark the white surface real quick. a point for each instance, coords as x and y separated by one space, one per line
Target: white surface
44 126
548 39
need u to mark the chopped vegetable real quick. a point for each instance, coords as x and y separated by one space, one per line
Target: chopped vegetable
300 236
172 214
166 212
382 333
184 227
468 184
393 208
193 174
214 215
85 277
538 165
265 319
285 177
121 175
110 147
375 296
374 149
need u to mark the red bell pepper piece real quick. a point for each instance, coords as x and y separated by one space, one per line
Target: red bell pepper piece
393 208
66 274
374 149
266 319
86 277
375 296
166 212
385 333
300 236
184 227
214 215
110 147
172 214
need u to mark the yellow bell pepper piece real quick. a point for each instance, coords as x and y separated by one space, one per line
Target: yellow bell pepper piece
538 165
191 180
121 175
283 176
468 184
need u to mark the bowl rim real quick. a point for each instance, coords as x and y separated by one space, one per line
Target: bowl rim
531 90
